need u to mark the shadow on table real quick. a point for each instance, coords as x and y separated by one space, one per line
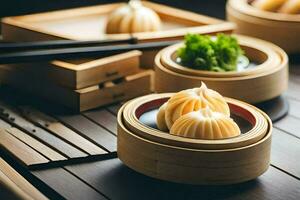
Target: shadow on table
117 181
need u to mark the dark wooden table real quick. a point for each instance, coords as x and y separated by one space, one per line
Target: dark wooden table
103 176
53 157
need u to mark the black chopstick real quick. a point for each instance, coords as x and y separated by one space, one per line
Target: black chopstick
78 52
53 44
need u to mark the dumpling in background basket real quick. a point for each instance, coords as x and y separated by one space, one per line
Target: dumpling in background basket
290 7
281 6
269 5
133 18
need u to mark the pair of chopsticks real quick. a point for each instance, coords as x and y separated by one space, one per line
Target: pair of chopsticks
67 49
54 44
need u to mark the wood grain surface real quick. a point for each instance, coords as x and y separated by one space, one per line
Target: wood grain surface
73 137
281 181
110 179
111 175
113 180
103 118
69 186
60 130
101 179
47 138
36 145
18 187
24 153
90 130
285 152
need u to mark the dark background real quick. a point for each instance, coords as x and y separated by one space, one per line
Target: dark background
20 7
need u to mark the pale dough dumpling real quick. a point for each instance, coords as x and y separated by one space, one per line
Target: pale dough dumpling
192 100
291 7
132 18
268 5
160 118
205 124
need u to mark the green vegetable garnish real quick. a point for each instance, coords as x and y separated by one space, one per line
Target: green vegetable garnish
204 52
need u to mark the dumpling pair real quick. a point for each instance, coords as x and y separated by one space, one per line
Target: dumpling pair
199 113
282 6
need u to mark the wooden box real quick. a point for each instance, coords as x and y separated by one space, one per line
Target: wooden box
78 100
88 23
82 84
78 74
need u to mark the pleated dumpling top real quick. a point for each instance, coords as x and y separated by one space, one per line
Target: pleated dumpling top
205 124
132 18
160 118
191 100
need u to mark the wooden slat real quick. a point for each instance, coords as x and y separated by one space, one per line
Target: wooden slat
285 152
290 125
104 118
36 145
111 175
24 153
14 191
294 69
6 193
43 136
4 125
114 108
78 141
294 87
293 91
18 184
67 185
294 82
61 131
90 130
294 108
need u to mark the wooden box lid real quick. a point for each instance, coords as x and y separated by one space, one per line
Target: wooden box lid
88 23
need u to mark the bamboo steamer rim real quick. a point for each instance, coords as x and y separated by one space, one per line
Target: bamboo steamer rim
123 128
244 7
261 46
278 50
267 23
169 162
131 121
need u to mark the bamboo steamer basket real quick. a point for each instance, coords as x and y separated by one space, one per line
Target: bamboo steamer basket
266 81
134 110
170 161
256 50
281 29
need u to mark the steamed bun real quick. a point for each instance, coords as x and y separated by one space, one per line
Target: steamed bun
205 124
191 100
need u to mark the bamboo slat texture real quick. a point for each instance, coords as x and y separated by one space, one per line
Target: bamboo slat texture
37 138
